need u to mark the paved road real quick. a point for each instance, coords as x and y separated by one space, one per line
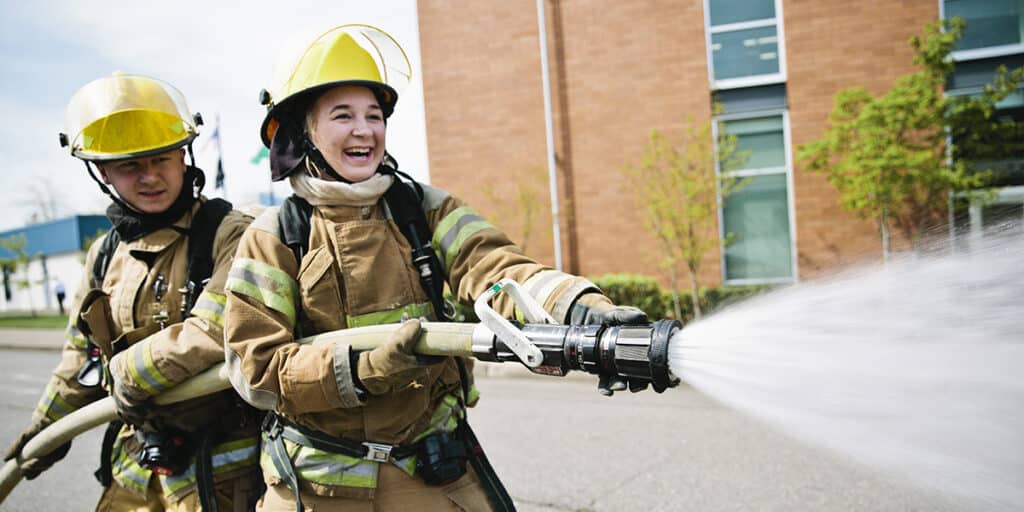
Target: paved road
560 446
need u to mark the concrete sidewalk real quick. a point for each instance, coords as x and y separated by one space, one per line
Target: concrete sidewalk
32 339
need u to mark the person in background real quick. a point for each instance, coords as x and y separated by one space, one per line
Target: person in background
58 290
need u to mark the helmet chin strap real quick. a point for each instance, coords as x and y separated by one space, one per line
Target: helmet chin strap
198 182
318 159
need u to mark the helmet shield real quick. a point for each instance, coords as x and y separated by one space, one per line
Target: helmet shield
349 54
127 116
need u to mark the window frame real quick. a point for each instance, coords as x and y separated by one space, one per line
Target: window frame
984 52
753 80
786 169
976 228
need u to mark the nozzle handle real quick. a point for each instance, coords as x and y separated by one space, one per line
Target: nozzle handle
512 337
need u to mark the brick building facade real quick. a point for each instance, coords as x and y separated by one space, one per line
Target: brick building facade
619 70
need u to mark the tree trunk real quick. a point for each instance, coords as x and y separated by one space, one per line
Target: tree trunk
695 292
674 282
883 226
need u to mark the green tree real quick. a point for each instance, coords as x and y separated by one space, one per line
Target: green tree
678 187
19 263
87 243
518 206
888 155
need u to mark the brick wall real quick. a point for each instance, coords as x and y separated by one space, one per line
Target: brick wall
628 68
831 45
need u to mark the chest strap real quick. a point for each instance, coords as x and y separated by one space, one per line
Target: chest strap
278 429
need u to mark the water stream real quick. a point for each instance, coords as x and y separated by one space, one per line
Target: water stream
915 367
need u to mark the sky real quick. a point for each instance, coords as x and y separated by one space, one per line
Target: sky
218 53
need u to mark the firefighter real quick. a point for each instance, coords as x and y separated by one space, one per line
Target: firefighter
148 312
354 246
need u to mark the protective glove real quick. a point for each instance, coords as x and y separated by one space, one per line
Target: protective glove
31 468
130 411
596 309
393 365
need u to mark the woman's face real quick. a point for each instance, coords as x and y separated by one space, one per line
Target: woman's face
347 125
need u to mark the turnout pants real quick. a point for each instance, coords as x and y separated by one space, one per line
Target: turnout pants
396 491
234 495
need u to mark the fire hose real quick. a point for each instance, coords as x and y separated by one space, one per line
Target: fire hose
636 352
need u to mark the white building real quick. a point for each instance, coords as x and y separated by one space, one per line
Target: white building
56 249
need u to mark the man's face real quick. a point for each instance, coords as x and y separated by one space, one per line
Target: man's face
347 126
148 184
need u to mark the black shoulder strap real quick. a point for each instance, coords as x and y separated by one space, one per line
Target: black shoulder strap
293 221
99 267
405 200
200 247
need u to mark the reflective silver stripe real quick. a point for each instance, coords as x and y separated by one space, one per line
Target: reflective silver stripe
144 371
343 376
52 405
449 237
266 283
560 310
334 469
258 398
541 285
210 307
75 337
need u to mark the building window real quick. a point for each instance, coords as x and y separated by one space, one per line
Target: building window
994 27
758 215
744 42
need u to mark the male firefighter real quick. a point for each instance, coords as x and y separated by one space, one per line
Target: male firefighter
148 312
355 246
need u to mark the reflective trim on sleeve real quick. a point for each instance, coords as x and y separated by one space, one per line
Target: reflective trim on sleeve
75 337
541 285
343 376
142 368
52 405
268 284
453 230
210 307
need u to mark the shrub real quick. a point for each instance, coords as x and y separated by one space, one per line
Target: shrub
644 293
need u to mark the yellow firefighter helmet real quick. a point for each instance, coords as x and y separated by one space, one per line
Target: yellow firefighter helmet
127 116
348 54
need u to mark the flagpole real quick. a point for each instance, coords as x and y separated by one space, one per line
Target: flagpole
219 180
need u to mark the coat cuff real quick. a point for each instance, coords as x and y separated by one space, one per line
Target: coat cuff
343 377
563 304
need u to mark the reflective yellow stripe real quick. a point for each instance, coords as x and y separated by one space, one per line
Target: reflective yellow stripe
474 395
210 307
322 467
391 316
52 405
452 232
127 471
334 469
226 457
75 337
268 284
143 370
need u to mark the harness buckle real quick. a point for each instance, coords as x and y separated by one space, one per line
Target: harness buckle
272 426
377 452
